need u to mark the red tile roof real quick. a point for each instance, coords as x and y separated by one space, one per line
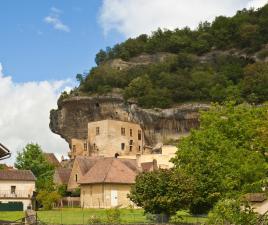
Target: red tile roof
23 175
62 175
51 158
111 170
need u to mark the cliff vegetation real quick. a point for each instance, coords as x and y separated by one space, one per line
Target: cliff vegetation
219 61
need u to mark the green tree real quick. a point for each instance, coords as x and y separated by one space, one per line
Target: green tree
32 158
231 211
162 191
47 198
226 154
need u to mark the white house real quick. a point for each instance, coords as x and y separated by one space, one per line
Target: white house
17 186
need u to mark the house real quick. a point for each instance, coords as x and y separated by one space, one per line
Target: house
52 159
80 167
107 183
61 176
17 186
258 202
108 138
4 152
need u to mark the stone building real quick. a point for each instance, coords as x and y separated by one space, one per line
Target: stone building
109 138
17 186
108 183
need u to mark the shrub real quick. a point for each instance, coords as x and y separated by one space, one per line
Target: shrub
113 215
94 220
48 198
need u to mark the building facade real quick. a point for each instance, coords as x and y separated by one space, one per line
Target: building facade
108 183
109 138
17 186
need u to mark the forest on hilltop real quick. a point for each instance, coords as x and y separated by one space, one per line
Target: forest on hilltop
241 74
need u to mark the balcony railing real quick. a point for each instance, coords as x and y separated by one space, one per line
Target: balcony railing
16 194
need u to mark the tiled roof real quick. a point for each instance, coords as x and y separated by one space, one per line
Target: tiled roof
111 170
85 163
4 152
24 175
51 158
63 174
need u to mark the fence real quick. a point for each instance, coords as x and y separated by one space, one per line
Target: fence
100 216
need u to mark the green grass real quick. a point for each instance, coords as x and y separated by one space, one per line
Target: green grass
80 216
77 215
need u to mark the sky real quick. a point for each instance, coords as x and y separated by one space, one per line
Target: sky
44 44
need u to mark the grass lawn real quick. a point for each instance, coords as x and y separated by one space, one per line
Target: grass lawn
80 216
77 215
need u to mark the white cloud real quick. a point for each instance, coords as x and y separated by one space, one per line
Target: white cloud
24 114
256 3
134 17
55 21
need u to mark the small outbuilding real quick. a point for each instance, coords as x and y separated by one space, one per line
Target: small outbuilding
107 183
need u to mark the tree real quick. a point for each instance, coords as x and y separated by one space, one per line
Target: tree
47 199
231 211
226 154
255 82
162 191
32 158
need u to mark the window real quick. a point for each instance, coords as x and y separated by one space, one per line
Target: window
131 142
130 148
97 131
85 146
139 135
122 146
130 132
74 148
139 148
123 131
76 177
13 189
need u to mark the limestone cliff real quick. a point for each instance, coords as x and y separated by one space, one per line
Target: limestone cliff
73 114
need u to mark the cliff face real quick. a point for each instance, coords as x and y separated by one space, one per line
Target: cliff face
73 114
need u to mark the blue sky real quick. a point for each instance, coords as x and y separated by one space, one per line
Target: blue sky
45 43
31 49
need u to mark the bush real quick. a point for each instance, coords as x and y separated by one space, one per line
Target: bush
231 211
263 54
94 220
48 198
113 215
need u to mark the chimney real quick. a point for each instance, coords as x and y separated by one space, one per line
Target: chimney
138 159
155 167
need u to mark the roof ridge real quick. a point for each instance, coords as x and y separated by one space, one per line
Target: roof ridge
108 170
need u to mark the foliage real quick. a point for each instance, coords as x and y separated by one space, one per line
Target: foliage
226 155
94 220
62 190
113 215
230 211
162 191
2 166
32 158
47 198
186 76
